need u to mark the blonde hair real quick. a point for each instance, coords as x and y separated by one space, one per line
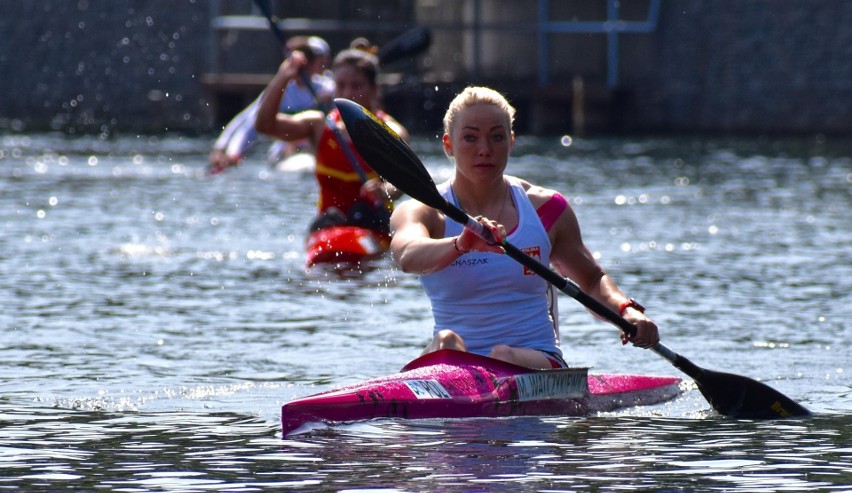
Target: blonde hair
473 95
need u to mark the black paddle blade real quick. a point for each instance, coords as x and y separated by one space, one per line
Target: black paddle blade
737 396
391 157
406 45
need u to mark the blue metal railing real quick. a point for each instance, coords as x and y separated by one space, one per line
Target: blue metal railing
542 27
612 27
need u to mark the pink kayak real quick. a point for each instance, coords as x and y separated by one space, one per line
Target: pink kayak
345 244
454 384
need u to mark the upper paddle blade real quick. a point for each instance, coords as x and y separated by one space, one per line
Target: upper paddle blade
391 157
406 45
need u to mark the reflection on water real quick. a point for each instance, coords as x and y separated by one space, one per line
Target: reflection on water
222 451
154 321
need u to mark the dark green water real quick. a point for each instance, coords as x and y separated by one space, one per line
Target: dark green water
154 320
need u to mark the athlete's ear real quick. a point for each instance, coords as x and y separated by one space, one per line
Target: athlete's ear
448 145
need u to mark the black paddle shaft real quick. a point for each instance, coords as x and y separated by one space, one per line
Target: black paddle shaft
564 284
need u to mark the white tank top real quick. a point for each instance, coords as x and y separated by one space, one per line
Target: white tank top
491 299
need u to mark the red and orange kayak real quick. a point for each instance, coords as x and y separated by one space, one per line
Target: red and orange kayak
345 244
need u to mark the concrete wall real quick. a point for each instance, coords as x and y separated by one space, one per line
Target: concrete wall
718 66
746 66
781 66
104 65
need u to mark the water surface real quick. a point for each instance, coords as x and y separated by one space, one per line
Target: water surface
155 319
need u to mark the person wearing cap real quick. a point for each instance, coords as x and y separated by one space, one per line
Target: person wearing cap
321 50
239 135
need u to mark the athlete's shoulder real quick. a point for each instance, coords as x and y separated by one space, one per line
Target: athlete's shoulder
537 194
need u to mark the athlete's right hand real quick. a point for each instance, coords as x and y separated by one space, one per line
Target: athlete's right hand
294 63
469 241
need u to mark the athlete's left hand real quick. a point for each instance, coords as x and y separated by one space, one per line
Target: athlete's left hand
647 334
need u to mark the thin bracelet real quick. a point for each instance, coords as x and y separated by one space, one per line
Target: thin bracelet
456 246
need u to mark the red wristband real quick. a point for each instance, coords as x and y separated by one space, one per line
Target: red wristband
627 304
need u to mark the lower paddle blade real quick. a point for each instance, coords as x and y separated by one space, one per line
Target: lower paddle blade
737 396
741 397
391 157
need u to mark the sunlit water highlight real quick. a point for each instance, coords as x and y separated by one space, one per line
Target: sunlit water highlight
155 319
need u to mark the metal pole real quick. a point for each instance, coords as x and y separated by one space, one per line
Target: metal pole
214 8
612 43
477 40
543 43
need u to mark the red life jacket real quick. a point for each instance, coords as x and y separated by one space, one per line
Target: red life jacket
339 183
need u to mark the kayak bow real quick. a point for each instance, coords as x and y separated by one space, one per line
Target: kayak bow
345 244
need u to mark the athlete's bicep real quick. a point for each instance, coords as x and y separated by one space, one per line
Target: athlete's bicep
407 223
304 125
570 255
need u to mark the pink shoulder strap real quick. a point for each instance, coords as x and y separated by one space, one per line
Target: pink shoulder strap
550 211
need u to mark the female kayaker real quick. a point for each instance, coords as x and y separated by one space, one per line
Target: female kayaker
482 300
344 196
